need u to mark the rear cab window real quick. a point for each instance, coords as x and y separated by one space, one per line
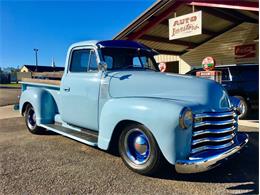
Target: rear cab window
225 74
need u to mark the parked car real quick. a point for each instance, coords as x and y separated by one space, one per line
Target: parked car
112 95
241 81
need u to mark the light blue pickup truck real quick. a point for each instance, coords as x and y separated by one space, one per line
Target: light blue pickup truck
112 95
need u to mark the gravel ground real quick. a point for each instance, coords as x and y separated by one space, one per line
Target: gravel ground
8 96
52 164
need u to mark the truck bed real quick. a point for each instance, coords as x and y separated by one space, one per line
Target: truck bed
42 81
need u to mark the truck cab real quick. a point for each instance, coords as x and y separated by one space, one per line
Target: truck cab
112 95
83 67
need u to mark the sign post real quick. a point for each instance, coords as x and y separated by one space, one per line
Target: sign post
208 65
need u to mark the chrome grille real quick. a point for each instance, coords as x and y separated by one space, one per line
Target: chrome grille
212 131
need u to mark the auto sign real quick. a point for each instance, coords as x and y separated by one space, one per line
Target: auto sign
185 26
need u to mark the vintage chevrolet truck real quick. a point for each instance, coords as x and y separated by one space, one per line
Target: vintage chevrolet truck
112 94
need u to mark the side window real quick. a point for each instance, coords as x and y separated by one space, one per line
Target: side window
147 62
92 61
109 61
225 74
83 60
136 62
79 60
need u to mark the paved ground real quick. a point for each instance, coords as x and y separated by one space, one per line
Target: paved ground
40 164
8 96
8 112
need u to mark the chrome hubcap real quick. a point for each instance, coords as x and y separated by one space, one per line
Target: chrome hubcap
137 146
140 144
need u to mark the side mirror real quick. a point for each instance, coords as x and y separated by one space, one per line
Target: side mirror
102 66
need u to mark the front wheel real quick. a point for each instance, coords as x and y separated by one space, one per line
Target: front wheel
30 121
139 150
245 108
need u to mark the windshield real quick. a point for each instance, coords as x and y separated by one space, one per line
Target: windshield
124 58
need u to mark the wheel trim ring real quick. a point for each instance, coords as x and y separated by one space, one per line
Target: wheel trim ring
31 119
243 108
136 157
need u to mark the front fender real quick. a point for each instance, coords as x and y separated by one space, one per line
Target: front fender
161 116
42 102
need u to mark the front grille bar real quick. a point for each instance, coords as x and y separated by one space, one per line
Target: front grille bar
213 139
207 123
208 147
215 115
214 131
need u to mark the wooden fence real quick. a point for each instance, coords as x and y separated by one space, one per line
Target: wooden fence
47 75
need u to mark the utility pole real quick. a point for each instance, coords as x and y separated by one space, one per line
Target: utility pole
36 58
53 64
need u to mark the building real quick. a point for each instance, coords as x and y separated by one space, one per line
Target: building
32 68
29 71
229 32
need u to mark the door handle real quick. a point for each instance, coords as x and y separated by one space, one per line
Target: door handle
67 89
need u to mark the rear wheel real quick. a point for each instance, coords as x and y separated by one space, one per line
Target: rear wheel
30 120
139 150
245 107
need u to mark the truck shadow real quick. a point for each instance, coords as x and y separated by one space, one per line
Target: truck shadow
242 168
254 115
47 132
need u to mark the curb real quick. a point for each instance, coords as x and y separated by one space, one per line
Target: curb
249 123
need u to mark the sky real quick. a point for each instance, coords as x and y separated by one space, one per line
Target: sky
52 26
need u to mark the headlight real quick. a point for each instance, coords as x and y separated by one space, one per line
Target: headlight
186 118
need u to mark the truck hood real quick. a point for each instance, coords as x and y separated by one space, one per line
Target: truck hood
188 90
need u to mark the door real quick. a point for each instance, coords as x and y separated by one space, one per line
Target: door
80 90
172 67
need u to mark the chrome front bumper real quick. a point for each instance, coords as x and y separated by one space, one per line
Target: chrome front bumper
209 160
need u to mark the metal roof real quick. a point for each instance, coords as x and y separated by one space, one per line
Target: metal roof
32 68
151 27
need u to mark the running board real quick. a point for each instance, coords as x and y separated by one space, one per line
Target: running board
86 136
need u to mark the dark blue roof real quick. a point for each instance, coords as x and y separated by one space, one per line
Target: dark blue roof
121 44
115 44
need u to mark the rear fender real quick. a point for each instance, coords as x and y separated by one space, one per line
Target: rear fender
43 103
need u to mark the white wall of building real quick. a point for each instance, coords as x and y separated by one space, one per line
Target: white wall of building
222 48
183 66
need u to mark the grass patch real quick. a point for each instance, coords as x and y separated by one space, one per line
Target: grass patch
11 85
